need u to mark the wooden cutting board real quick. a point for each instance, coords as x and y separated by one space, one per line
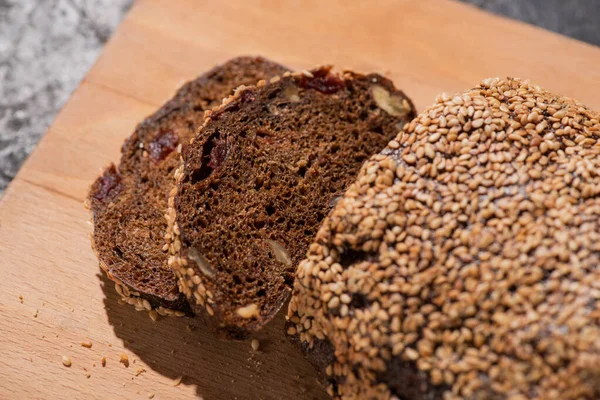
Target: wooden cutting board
427 47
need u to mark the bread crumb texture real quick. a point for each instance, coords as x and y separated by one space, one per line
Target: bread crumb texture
463 262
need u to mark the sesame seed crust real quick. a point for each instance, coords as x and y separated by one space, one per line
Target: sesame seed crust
467 251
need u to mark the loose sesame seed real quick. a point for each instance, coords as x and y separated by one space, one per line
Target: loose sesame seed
177 381
255 344
66 361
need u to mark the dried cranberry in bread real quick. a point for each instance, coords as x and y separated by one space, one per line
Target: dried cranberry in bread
463 263
128 203
256 182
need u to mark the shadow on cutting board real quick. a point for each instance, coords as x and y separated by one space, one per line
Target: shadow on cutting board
219 369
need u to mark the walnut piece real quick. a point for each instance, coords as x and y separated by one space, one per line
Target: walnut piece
201 261
392 104
281 254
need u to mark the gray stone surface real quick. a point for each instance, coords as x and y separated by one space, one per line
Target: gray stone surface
46 46
576 18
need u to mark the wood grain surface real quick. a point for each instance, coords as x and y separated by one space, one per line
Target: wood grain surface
427 47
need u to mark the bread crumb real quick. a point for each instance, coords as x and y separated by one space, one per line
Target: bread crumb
177 381
21 299
87 344
255 344
139 371
153 315
66 361
124 359
103 361
151 395
36 313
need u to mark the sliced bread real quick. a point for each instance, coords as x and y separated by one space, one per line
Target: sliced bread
128 202
258 179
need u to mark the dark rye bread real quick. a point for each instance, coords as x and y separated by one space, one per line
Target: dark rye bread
128 203
255 183
463 263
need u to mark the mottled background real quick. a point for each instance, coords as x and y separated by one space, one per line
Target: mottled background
46 47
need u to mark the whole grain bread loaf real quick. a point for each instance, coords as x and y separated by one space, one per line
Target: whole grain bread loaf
128 202
463 261
258 179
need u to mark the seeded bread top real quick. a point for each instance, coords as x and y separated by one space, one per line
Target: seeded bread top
467 250
258 179
128 203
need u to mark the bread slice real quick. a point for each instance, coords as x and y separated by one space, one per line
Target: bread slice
463 261
128 202
258 179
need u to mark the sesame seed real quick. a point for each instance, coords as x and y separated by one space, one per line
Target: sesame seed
87 344
66 361
177 381
255 344
249 311
411 354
